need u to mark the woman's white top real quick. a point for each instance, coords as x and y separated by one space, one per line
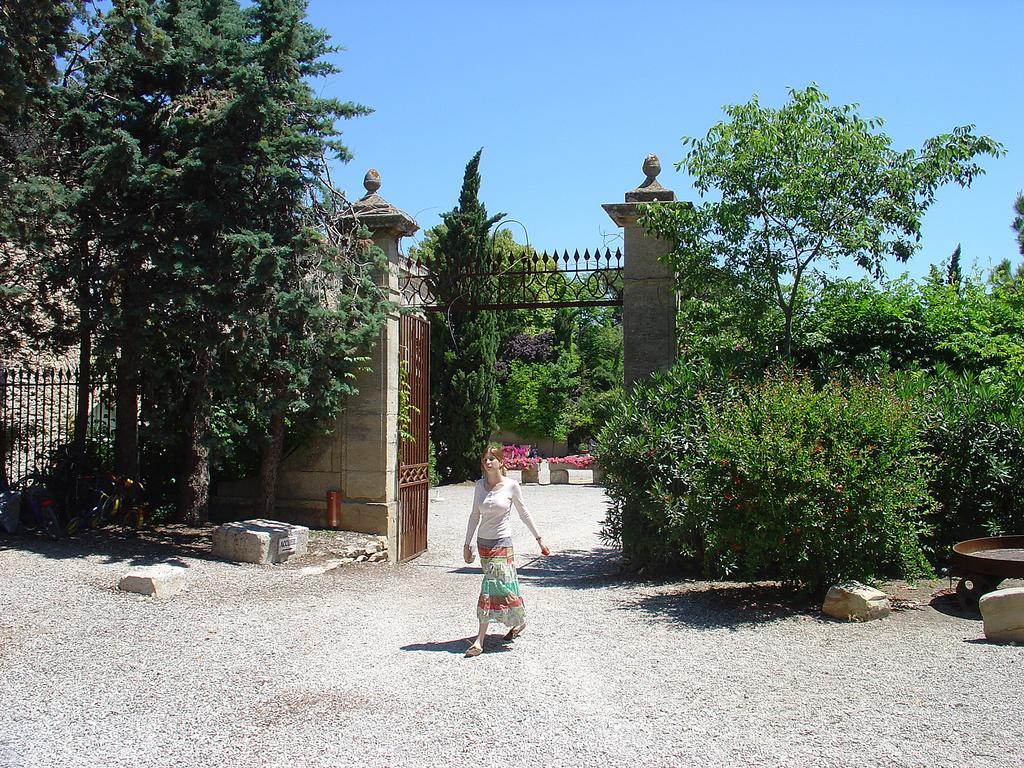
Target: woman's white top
492 511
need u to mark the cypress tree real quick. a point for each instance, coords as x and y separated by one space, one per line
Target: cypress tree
1018 221
464 345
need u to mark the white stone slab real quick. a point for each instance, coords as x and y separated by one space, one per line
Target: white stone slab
320 570
260 541
1002 613
154 580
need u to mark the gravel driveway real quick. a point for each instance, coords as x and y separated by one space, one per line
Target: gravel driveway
363 666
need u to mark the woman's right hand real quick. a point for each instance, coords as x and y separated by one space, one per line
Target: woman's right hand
467 553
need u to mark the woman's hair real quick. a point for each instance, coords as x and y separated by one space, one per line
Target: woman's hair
497 452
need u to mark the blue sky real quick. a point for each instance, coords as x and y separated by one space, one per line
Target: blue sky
567 98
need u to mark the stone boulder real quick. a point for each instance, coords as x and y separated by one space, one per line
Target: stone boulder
153 580
1002 613
853 601
260 541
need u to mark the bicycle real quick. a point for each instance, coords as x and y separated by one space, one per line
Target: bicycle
121 503
39 509
70 480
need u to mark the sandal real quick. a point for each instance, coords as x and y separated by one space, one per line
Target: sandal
474 650
515 632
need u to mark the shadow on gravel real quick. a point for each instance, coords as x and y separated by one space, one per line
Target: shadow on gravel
945 602
574 569
727 606
571 568
165 545
493 644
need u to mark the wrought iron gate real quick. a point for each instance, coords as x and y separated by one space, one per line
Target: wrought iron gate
531 280
414 435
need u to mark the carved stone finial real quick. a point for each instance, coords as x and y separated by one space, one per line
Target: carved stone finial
652 167
650 191
371 181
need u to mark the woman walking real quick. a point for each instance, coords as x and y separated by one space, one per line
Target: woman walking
492 512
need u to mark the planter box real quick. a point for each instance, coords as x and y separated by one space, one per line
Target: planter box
559 473
598 475
531 474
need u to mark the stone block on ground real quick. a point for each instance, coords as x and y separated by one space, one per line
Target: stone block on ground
853 601
154 580
1002 613
260 541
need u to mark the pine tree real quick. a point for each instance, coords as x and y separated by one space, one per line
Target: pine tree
464 345
275 314
115 127
32 37
309 324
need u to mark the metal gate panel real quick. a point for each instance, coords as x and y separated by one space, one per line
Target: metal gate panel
414 428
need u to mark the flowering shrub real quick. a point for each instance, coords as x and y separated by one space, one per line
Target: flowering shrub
814 485
581 461
517 457
777 479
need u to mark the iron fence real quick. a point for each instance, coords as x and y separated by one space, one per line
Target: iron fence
38 410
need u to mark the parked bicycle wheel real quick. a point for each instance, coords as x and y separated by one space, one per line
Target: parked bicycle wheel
39 512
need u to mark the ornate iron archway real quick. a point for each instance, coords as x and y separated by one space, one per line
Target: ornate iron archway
534 281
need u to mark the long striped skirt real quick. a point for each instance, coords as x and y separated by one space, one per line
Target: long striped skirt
499 594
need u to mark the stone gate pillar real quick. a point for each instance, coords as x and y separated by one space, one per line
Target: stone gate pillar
648 292
367 431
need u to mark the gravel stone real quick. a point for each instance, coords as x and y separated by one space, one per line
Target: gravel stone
362 665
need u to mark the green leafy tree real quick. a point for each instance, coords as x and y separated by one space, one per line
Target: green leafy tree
202 148
805 185
464 345
539 399
32 38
